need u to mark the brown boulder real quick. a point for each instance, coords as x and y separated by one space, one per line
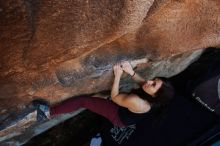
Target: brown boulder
57 49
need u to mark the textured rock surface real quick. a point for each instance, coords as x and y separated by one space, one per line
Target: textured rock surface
57 49
51 49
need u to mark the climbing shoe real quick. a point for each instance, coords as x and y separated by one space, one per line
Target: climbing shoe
42 107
